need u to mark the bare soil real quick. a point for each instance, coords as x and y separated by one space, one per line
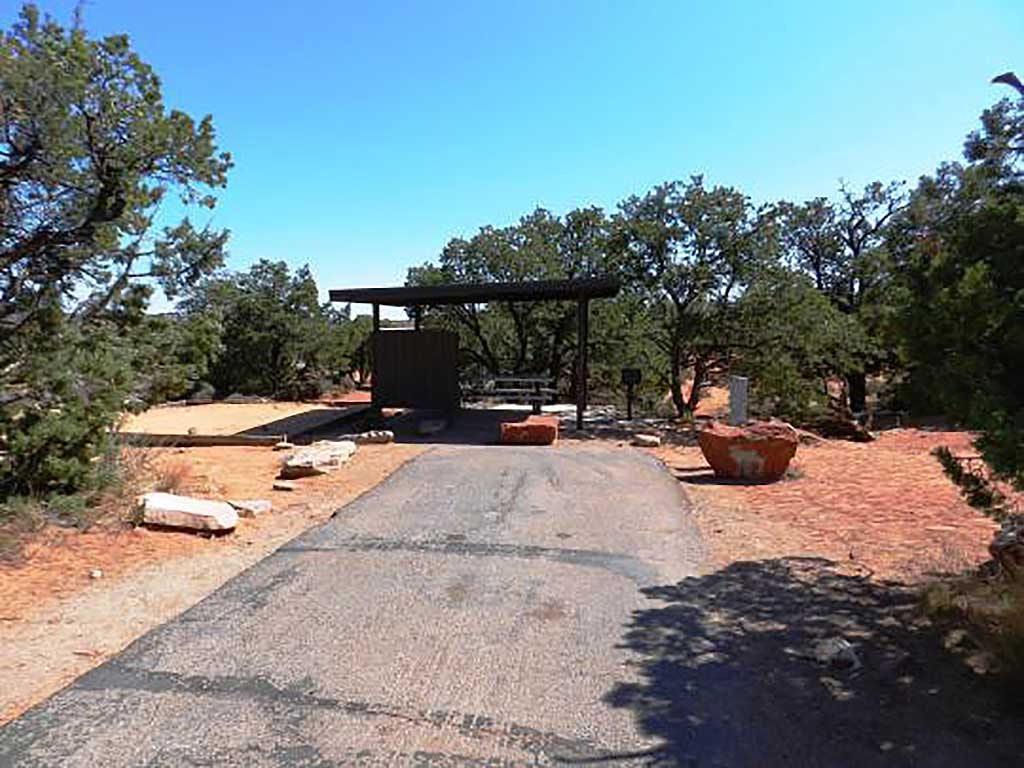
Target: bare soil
214 418
57 621
882 509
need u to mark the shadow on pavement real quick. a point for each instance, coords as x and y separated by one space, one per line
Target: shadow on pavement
730 675
466 426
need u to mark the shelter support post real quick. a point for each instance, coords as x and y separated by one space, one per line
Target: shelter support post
582 331
376 317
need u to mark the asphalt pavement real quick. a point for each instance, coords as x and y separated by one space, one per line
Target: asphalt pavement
470 610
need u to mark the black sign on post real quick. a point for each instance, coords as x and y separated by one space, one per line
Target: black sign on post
630 378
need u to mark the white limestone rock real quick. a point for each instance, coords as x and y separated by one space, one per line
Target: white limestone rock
646 441
170 510
319 458
251 507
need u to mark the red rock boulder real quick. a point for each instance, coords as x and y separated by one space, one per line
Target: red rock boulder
757 452
535 430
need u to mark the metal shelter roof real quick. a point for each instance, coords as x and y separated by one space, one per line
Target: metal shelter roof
481 293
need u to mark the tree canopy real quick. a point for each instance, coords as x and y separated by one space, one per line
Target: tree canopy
88 153
520 336
961 256
692 251
275 338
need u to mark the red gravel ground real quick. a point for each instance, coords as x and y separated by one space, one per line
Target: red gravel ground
882 508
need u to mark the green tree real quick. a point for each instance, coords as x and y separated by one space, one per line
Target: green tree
789 340
509 337
960 250
88 152
692 250
276 338
169 354
842 247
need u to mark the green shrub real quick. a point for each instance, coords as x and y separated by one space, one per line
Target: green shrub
65 394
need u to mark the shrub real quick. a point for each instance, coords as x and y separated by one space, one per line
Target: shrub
65 393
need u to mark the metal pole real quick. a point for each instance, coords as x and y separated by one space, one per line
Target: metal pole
373 357
582 317
738 400
416 318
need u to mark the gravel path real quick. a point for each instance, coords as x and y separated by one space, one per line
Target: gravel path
470 610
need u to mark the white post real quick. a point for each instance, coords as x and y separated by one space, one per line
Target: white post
737 400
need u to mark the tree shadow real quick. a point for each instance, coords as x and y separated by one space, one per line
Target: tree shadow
464 426
702 474
728 675
604 423
482 426
311 425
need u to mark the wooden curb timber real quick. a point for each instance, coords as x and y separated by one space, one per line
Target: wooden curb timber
197 441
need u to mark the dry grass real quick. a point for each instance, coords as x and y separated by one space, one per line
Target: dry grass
991 610
127 474
19 520
173 476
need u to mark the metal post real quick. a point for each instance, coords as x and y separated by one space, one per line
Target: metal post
375 401
582 321
416 318
738 400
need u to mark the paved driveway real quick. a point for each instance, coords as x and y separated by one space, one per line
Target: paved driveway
470 610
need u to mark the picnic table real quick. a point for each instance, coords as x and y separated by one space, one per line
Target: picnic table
535 390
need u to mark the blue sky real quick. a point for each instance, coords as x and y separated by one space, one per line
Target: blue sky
367 134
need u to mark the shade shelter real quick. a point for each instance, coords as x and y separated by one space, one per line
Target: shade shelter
414 353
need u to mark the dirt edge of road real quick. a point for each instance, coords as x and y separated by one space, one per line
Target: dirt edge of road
60 623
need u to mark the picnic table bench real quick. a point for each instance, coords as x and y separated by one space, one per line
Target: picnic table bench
535 390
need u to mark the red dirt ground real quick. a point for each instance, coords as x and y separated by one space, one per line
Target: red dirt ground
57 562
57 622
883 508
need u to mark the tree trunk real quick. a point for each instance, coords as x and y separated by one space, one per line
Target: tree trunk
557 350
675 384
469 319
698 382
858 391
522 339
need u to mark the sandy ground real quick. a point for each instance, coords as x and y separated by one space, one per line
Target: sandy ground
57 622
882 509
213 419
